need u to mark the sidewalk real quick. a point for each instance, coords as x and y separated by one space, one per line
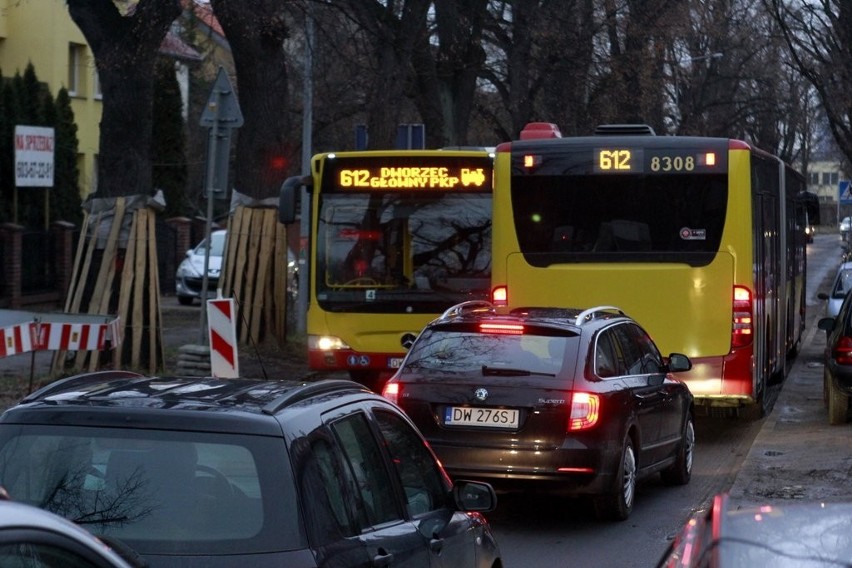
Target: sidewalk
797 455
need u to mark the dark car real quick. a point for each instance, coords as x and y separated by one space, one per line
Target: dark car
841 285
837 359
34 538
226 472
794 535
568 401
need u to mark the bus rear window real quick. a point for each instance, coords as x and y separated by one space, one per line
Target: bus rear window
589 218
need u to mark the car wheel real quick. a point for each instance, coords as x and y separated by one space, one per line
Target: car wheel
680 471
618 506
185 300
838 403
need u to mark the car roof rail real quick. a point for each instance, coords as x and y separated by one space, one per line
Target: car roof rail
307 390
467 307
79 380
596 312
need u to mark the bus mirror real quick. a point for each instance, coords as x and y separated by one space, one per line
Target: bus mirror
288 201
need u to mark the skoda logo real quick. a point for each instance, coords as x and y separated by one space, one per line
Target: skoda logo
407 340
481 394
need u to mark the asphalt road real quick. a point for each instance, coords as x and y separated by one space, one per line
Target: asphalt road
792 454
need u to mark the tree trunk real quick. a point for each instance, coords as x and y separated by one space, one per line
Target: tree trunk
117 274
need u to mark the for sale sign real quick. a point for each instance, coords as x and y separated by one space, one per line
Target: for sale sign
34 156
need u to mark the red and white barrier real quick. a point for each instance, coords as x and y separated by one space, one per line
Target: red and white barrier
222 326
19 338
21 332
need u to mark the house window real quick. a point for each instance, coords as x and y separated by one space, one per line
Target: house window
76 69
826 178
835 178
814 178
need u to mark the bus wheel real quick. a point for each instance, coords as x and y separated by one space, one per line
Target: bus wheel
838 403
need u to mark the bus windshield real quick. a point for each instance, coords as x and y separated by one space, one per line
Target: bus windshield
415 252
624 218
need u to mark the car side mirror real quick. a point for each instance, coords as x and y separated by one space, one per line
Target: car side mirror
474 496
826 324
822 296
679 362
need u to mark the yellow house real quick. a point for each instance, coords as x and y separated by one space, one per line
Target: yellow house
42 32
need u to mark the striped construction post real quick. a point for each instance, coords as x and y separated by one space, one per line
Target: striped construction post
222 326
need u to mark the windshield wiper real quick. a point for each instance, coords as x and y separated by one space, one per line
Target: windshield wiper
509 372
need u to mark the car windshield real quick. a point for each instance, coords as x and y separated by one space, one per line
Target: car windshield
492 354
160 492
843 283
218 248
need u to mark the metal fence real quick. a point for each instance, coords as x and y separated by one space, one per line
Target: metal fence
38 271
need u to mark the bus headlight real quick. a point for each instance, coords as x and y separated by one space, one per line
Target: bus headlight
326 343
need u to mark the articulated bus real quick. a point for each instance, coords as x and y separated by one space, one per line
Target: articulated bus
396 238
699 239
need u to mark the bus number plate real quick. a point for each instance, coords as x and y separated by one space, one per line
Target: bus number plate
486 417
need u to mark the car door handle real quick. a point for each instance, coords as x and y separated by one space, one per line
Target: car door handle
436 544
382 558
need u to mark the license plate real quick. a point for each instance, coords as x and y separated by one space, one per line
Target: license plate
486 417
394 362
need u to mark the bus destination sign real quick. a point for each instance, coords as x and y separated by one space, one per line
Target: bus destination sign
627 160
456 174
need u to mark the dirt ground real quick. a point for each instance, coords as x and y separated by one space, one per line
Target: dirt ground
181 325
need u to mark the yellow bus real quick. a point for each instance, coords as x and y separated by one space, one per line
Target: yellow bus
699 239
396 238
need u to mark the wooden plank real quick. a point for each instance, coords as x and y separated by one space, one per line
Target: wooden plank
103 282
78 283
155 345
251 276
264 257
239 239
240 275
138 291
229 261
78 256
125 290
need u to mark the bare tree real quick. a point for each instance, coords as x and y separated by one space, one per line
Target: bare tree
119 274
819 37
126 48
447 63
265 153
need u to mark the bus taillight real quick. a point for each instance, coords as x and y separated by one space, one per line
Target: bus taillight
743 324
500 296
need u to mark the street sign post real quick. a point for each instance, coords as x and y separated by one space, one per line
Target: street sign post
221 114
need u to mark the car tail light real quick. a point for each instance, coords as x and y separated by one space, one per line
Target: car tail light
585 411
391 391
842 352
500 296
742 325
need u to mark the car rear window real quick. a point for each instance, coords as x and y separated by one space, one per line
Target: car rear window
160 492
462 350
